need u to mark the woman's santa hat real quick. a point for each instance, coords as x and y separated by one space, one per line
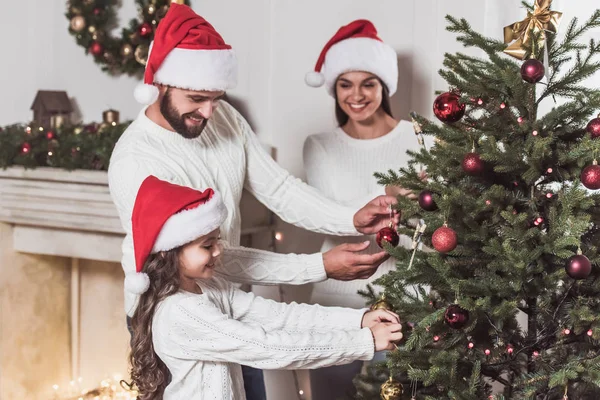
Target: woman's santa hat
166 216
187 53
355 47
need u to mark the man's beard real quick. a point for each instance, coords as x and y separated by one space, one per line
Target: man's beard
177 121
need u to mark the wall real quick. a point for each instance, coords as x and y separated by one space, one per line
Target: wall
277 42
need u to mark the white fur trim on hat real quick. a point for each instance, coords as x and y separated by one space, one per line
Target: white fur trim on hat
361 54
137 282
188 225
314 79
145 94
209 70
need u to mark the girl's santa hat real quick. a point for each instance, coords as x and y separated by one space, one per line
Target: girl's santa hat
166 216
355 47
187 53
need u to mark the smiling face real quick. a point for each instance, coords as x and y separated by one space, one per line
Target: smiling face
188 111
359 95
198 258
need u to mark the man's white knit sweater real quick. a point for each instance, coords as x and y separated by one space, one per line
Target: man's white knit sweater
204 338
227 157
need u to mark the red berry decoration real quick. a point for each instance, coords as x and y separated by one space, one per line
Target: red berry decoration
590 176
145 29
532 71
444 239
456 317
593 127
426 201
472 164
96 49
447 107
578 267
25 148
389 235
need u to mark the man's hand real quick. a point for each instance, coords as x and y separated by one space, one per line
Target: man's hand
371 318
376 215
345 264
399 191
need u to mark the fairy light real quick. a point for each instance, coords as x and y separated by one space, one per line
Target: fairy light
278 236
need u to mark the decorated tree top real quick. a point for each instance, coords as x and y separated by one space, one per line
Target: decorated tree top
509 293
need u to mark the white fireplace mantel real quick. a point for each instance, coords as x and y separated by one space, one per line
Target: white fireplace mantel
61 213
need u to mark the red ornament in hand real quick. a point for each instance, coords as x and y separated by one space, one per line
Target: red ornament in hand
472 164
389 235
590 176
96 49
456 317
444 239
145 29
532 71
578 267
447 107
426 201
593 127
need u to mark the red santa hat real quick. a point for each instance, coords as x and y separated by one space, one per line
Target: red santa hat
355 47
187 53
166 216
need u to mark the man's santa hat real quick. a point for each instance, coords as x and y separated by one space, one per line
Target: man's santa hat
166 216
355 47
187 53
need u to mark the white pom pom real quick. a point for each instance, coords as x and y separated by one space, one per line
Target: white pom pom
145 94
137 283
314 79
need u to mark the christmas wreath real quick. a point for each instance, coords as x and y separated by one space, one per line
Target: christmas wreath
91 23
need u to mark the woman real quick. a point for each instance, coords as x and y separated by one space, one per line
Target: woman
361 73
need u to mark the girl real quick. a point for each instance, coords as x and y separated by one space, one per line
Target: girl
361 73
192 329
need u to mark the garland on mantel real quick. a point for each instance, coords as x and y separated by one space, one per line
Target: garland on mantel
73 147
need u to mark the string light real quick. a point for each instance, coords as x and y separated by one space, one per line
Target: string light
534 133
279 236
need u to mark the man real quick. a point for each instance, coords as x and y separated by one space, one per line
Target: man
189 136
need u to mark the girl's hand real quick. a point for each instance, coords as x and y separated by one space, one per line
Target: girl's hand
372 318
385 334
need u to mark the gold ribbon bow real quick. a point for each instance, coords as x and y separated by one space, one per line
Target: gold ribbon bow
538 22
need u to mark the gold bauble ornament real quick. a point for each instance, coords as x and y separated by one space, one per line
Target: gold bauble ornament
391 390
126 50
141 54
77 23
381 304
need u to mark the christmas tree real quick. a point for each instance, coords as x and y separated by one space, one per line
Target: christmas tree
506 305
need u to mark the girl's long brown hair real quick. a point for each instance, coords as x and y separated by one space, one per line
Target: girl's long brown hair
149 374
342 118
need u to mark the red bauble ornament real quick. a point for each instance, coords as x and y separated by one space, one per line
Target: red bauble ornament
444 239
532 71
145 29
25 148
96 49
98 11
593 127
472 164
50 135
590 177
456 317
389 235
426 201
578 267
447 107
